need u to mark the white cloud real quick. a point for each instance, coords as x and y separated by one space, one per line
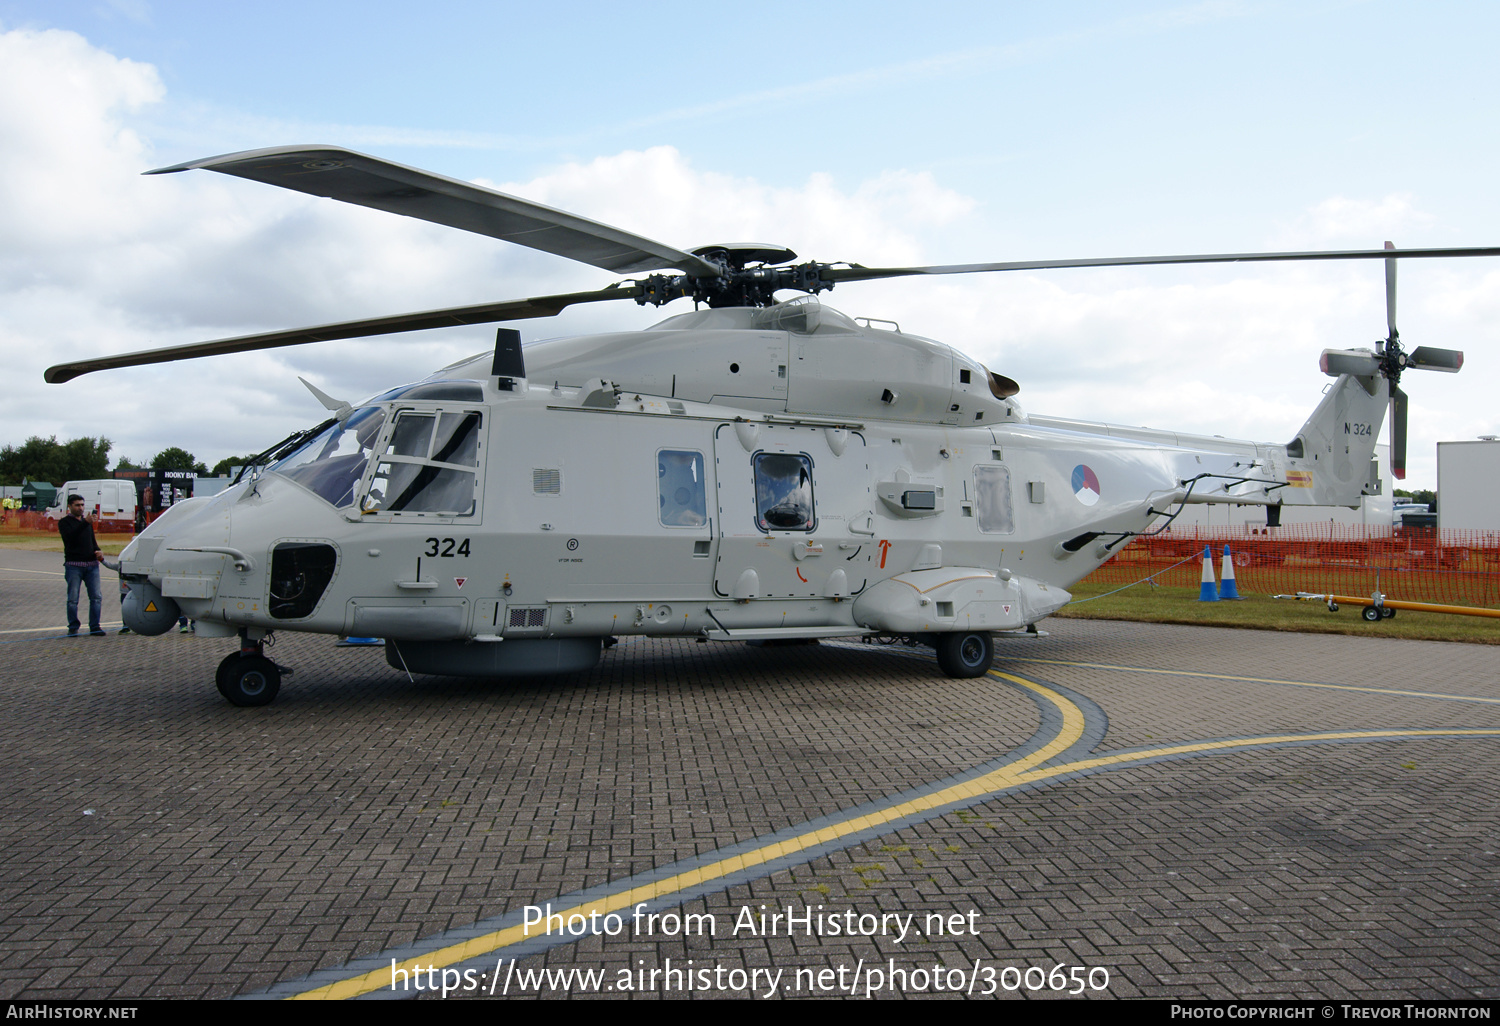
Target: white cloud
68 153
657 193
1354 223
96 259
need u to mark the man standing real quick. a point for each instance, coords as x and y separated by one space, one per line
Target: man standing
81 559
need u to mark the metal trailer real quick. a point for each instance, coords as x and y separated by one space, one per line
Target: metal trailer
1469 485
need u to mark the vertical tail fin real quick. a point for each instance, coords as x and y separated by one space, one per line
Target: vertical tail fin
1331 458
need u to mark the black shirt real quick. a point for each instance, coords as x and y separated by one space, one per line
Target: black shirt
79 545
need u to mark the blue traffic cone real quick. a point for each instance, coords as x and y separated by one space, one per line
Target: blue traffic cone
1207 592
1227 590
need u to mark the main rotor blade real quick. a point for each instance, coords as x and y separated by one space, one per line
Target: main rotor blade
1390 292
371 182
1398 433
857 273
1450 361
514 310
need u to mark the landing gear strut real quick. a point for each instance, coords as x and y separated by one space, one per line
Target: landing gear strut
247 677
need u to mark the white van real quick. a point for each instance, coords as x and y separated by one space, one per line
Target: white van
109 501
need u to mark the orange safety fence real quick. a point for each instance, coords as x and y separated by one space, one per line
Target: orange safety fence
1418 564
37 522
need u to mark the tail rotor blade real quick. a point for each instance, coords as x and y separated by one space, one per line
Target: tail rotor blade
1390 293
1334 362
1398 434
1450 361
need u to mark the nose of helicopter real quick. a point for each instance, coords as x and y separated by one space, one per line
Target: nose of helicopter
260 554
174 568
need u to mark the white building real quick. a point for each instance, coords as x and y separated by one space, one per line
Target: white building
1469 485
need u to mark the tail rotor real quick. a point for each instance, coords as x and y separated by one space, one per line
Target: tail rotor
1393 360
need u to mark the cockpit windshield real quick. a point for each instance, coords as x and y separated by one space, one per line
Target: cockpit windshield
332 462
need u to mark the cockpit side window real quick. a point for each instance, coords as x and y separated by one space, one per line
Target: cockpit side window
784 492
428 465
412 435
457 439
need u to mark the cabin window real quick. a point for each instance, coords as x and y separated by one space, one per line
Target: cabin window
681 492
428 465
992 500
784 493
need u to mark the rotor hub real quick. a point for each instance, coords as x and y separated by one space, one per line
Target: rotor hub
1393 359
755 286
736 256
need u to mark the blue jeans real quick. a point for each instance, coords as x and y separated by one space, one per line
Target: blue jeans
87 576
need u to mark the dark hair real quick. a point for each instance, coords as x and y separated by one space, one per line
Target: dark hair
74 498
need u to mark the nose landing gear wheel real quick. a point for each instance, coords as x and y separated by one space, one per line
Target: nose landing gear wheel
963 654
248 680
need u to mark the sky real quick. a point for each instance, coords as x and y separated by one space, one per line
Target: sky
884 134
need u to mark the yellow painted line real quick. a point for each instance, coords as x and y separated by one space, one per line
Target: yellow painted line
998 779
18 570
1124 758
1255 680
1025 770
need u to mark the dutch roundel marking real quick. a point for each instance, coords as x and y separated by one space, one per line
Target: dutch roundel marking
1085 484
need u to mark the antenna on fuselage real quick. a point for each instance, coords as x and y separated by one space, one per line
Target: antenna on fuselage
509 365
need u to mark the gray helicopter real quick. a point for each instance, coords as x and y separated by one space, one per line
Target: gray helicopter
750 470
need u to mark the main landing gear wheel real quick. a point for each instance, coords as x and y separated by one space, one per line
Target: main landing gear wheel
1371 613
963 654
248 679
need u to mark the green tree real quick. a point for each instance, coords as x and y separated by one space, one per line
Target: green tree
87 458
126 463
1424 495
223 466
173 458
47 459
37 459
